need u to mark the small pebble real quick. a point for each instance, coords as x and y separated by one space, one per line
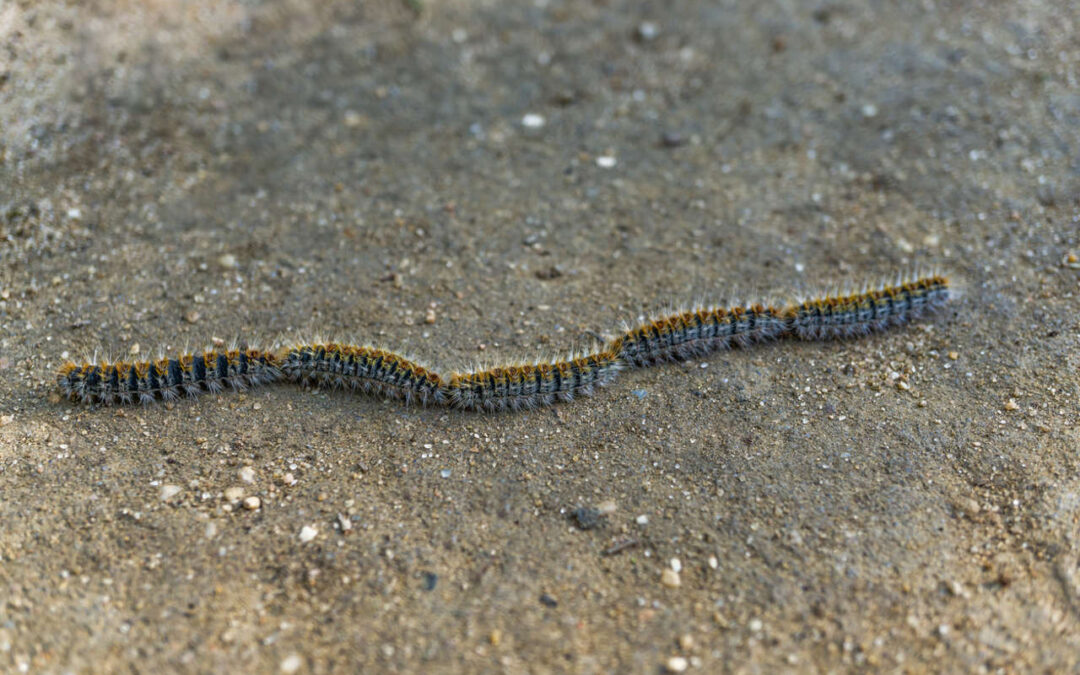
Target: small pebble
1072 261
672 139
169 491
228 261
548 601
954 355
1011 404
676 565
647 30
134 349
670 578
429 316
586 518
642 519
869 110
192 316
676 664
605 161
533 121
291 663
288 479
252 503
247 474
6 420
234 494
307 533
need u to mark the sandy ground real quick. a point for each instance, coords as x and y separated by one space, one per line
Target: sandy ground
174 173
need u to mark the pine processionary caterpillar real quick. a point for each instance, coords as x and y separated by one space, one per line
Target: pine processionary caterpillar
677 336
167 378
366 369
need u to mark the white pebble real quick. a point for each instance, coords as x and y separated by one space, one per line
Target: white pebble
291 664
252 503
234 494
605 161
676 664
247 474
713 562
869 110
228 261
642 519
533 121
676 564
307 533
169 491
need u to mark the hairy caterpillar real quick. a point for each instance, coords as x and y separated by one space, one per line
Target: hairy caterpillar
167 378
678 336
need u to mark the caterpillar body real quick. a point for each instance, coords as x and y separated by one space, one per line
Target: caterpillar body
167 378
678 336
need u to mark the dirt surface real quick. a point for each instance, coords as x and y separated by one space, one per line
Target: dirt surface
477 182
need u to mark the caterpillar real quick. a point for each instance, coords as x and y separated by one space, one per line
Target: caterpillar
677 336
167 378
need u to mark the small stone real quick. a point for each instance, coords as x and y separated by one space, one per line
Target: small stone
713 562
252 503
353 119
291 663
869 110
495 638
968 506
755 625
192 316
672 139
307 533
686 642
429 316
533 121
288 479
228 261
954 355
211 530
605 161
345 523
234 494
670 578
1011 404
647 30
642 519
1072 261
247 474
134 349
676 565
676 664
586 518
169 491
6 420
